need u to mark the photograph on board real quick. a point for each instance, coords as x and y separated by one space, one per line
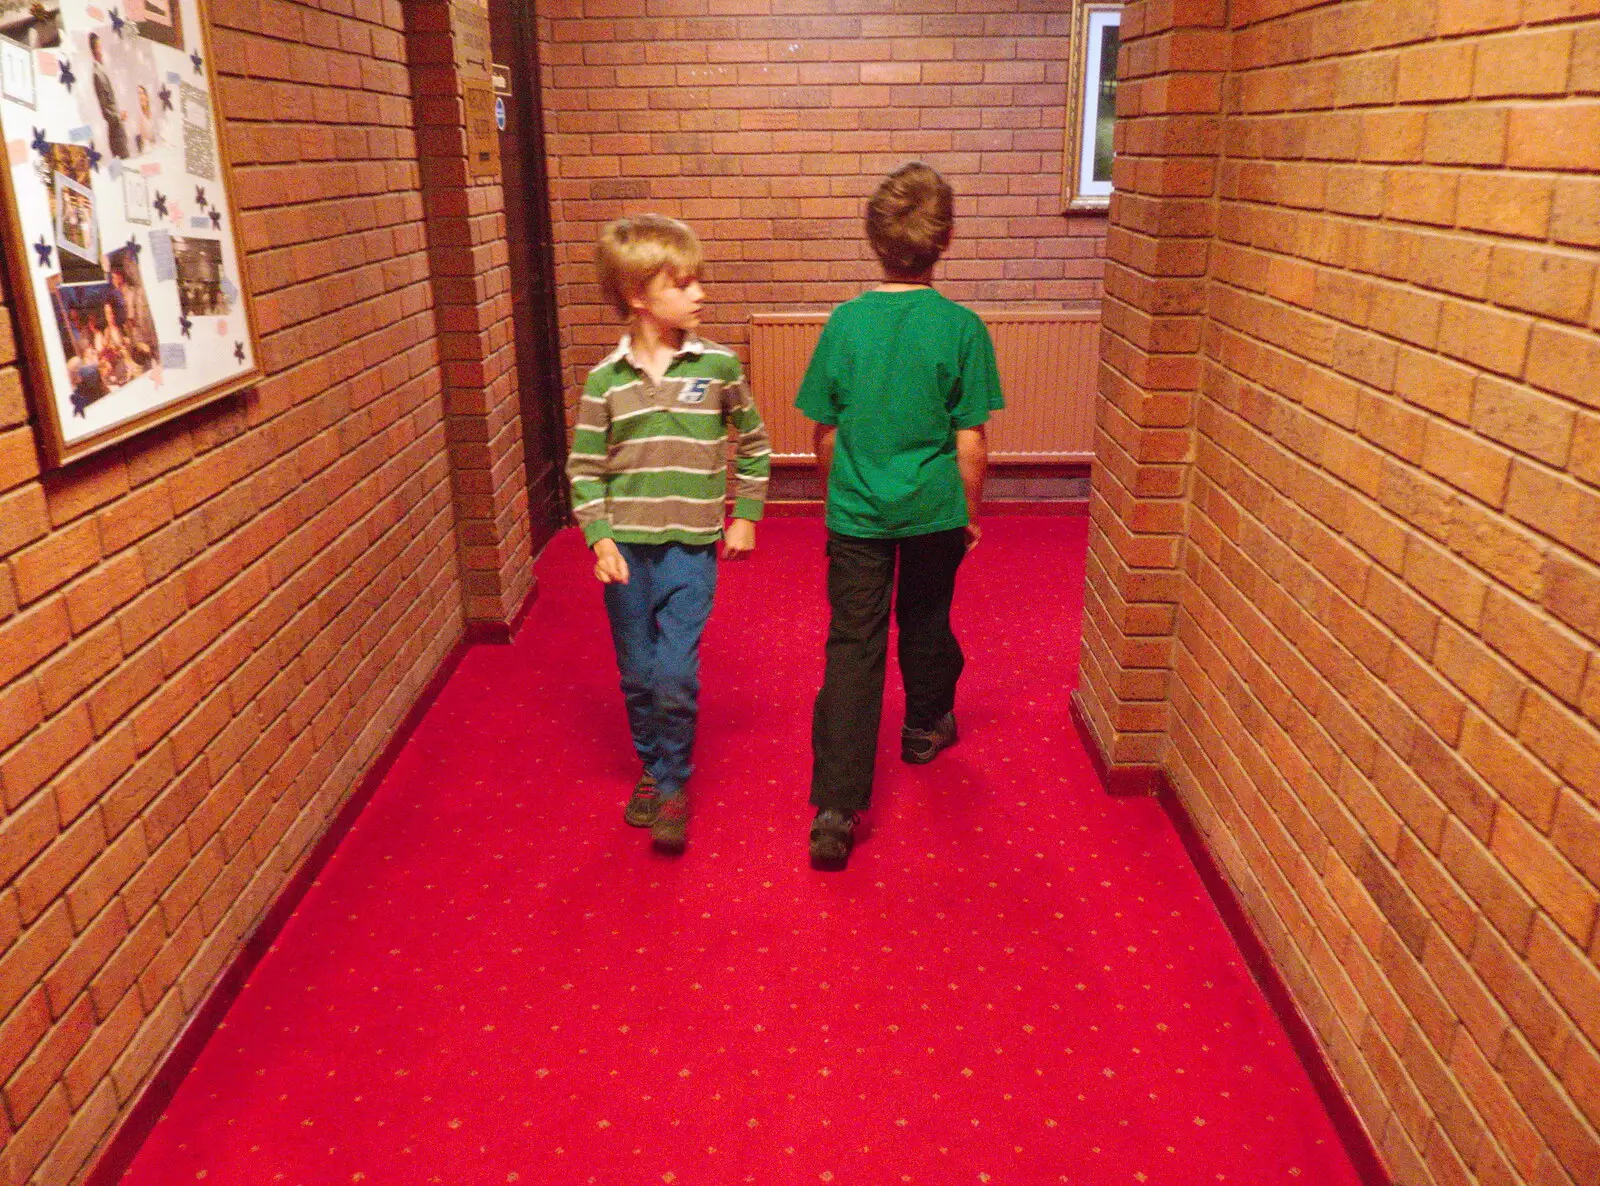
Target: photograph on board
35 24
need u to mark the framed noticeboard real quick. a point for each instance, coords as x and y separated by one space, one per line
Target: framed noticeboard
1092 105
121 232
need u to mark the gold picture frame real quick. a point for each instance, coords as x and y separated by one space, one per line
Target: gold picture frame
122 236
1091 105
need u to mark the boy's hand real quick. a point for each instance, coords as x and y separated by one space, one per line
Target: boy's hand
974 534
739 539
609 564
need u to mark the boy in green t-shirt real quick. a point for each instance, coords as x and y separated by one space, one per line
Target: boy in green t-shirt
649 473
900 386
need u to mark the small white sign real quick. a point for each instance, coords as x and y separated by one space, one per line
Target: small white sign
16 68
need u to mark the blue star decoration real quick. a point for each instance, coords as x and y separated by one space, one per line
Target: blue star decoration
94 158
238 351
184 324
161 203
40 144
133 248
197 60
117 22
165 95
200 196
44 249
67 76
216 219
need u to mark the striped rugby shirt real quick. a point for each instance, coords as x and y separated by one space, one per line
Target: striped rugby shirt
649 460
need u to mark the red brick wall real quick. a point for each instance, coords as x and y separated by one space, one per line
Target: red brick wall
1163 217
207 634
766 126
1382 704
471 279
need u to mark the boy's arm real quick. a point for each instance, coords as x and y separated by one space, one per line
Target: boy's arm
586 466
752 464
822 438
972 456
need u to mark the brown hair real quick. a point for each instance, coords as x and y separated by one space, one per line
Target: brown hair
909 219
632 250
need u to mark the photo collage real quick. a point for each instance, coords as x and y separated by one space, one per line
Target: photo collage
111 133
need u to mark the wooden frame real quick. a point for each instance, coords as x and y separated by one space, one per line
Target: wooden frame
1091 105
121 232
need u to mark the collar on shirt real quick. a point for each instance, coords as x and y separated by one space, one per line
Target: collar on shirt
691 345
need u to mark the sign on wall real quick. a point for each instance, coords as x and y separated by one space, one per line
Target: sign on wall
469 29
121 233
483 136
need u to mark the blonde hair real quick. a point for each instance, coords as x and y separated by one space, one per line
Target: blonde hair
632 250
909 219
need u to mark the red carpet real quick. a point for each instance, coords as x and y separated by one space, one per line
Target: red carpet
1017 980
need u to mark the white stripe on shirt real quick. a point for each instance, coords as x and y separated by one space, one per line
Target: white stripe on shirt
684 410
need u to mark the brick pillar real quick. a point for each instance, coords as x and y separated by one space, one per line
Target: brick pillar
471 281
1169 102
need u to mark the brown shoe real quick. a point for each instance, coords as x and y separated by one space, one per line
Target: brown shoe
833 835
920 746
643 804
670 832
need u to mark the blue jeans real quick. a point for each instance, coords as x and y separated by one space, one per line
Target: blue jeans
656 622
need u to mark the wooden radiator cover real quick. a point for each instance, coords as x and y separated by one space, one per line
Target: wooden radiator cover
1048 360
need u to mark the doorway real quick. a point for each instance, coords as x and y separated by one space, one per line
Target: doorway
519 115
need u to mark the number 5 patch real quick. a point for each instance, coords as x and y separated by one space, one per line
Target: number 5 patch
694 391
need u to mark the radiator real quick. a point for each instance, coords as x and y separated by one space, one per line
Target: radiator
1048 359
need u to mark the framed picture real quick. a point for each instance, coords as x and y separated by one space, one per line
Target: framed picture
1092 106
121 233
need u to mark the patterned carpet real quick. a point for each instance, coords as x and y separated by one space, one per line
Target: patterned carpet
1017 979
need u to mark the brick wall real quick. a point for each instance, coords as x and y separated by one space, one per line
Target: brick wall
1163 217
207 634
767 125
1382 704
471 278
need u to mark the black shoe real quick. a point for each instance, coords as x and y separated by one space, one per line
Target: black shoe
643 804
918 746
671 829
833 834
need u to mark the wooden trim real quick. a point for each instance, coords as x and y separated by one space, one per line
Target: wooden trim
1007 460
33 328
789 318
1072 149
1073 507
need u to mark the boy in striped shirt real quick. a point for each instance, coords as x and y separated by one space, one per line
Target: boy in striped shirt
649 478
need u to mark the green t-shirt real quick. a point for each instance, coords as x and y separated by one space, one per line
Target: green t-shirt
898 373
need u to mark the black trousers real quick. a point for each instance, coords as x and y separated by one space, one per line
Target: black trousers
844 723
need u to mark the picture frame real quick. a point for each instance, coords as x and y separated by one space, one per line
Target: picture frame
122 239
1091 105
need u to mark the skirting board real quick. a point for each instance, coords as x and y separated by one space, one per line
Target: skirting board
1153 780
